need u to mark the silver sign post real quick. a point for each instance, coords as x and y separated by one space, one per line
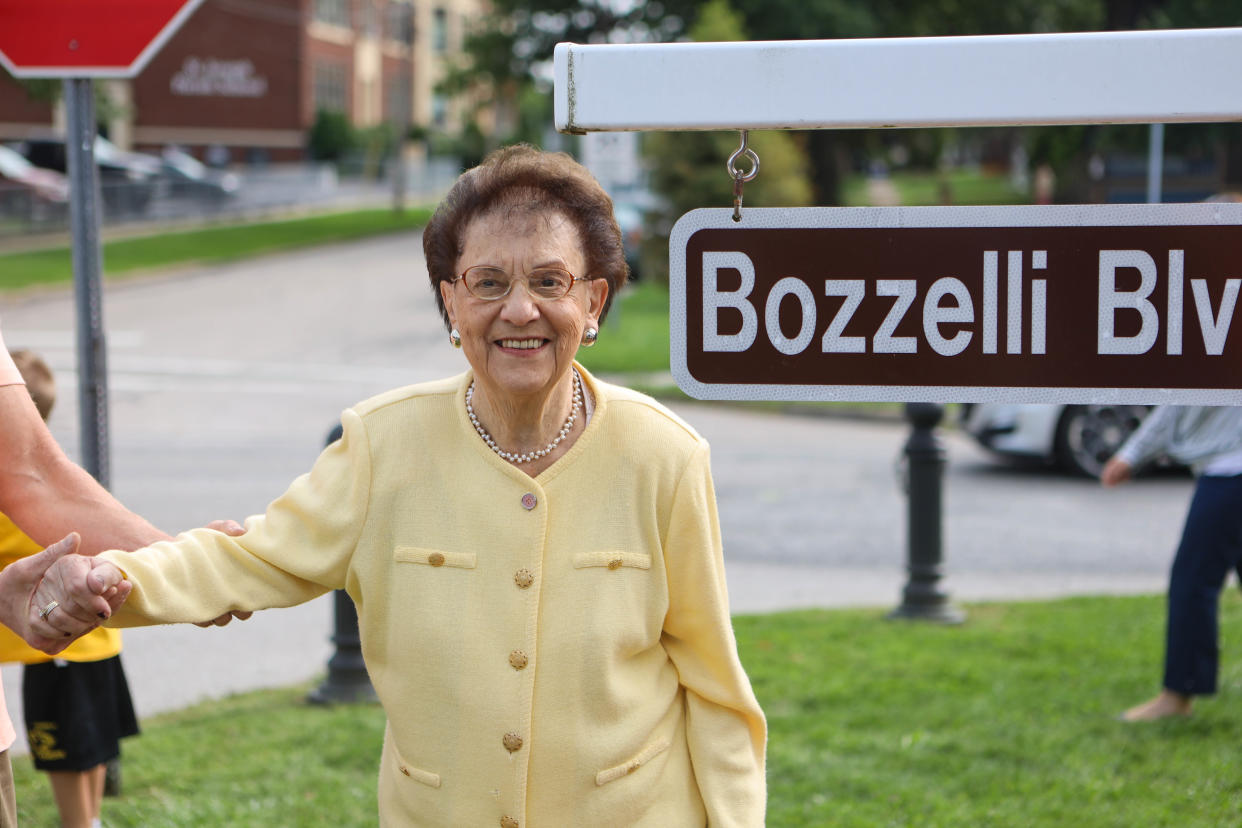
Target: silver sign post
87 269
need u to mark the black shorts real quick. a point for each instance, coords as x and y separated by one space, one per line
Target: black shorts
76 714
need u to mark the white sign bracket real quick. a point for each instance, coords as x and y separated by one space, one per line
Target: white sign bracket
1162 76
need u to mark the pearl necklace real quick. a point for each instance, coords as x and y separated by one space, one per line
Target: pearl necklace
527 457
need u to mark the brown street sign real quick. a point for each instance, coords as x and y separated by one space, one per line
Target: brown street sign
1084 303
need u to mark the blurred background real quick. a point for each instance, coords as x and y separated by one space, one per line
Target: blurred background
260 108
262 105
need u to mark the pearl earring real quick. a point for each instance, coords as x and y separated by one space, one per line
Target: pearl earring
455 338
589 336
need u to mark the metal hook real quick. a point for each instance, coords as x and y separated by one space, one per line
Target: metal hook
739 177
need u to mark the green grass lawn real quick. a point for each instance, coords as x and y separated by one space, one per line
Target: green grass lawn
634 338
1008 720
923 188
208 245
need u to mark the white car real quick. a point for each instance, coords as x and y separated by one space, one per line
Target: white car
1078 438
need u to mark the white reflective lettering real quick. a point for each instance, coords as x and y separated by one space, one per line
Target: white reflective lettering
833 342
1039 315
934 314
1173 335
1013 296
714 299
1112 300
789 286
1039 304
990 266
884 341
1215 327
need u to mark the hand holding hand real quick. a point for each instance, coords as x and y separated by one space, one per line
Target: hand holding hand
233 529
1115 472
67 594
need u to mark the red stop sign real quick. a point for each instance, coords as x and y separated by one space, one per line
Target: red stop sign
86 38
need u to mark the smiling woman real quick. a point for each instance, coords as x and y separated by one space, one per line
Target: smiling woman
534 553
521 332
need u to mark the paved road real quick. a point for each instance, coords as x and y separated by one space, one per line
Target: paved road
224 382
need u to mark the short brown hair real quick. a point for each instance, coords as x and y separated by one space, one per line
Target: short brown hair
542 181
39 380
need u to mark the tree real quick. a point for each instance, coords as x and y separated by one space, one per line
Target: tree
1066 148
510 51
49 90
331 136
688 168
505 59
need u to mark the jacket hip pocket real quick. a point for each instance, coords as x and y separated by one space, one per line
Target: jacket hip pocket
633 763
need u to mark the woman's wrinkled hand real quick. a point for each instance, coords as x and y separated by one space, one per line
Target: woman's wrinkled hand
74 595
232 528
1115 472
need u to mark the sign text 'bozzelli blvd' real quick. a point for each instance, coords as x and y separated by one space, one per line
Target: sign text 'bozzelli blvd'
1071 304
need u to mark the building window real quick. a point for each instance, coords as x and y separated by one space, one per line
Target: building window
439 31
439 110
334 12
370 18
330 85
400 24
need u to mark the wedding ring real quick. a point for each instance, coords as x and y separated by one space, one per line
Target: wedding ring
46 611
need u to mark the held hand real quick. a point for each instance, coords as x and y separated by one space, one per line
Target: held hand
69 595
1115 472
232 528
18 610
229 527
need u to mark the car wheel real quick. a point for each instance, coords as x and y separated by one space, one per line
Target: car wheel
1088 435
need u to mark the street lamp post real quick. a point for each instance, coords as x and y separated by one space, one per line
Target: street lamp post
347 681
922 598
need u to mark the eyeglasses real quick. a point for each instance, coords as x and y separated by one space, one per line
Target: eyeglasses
491 283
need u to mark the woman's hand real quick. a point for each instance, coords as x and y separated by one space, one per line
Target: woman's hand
19 607
1115 472
233 529
74 594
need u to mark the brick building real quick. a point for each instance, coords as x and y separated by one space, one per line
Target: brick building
248 76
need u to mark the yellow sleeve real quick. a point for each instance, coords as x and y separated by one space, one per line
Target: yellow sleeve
299 549
724 724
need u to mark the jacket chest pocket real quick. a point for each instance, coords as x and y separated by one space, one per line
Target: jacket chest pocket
434 558
625 598
612 560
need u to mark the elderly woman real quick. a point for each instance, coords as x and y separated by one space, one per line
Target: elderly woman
534 553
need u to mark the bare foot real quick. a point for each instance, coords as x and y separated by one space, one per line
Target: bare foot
1162 706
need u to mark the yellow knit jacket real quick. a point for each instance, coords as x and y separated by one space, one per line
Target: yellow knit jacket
552 651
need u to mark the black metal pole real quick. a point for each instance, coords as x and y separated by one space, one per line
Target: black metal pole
923 599
347 681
